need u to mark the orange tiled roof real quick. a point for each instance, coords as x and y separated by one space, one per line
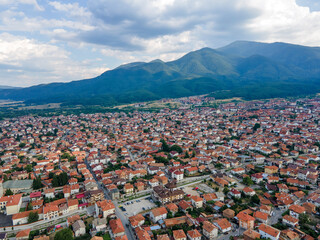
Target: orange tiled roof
269 230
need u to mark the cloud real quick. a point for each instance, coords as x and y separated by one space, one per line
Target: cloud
71 8
124 20
34 3
122 31
286 21
31 62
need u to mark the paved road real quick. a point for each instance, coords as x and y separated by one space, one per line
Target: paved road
236 231
42 223
276 215
119 213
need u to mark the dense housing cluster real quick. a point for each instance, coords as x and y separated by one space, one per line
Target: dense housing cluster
239 169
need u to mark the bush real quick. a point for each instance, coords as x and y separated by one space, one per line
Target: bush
64 234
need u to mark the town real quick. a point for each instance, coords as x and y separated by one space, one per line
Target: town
239 170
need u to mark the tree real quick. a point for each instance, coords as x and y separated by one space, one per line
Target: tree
176 148
165 147
21 145
29 168
255 199
60 180
37 184
8 192
29 207
64 234
304 219
256 126
33 217
247 181
218 165
225 190
5 178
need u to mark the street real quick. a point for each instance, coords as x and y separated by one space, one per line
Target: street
118 212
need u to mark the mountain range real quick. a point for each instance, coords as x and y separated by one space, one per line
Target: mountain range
251 70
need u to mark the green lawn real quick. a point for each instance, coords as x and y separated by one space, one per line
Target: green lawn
106 236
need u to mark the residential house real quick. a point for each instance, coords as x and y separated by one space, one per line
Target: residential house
223 224
79 228
194 235
296 210
116 228
104 208
179 235
245 220
209 230
196 201
250 234
267 231
23 235
290 221
158 214
261 216
99 224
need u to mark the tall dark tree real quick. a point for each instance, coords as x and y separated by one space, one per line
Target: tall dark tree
33 217
60 180
37 184
165 147
255 199
176 148
8 192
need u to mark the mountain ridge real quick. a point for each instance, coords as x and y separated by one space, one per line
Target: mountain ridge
240 67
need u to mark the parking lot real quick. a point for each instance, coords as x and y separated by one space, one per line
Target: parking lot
136 206
190 190
5 220
205 188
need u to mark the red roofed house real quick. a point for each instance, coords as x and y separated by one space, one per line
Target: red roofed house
289 220
251 235
116 227
191 170
245 220
158 214
223 224
51 211
267 231
179 235
248 191
209 230
196 201
296 210
235 193
104 208
194 235
261 216
12 203
24 234
35 196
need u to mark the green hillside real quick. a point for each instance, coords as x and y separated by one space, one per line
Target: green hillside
242 69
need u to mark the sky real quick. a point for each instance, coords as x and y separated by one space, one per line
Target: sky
43 41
